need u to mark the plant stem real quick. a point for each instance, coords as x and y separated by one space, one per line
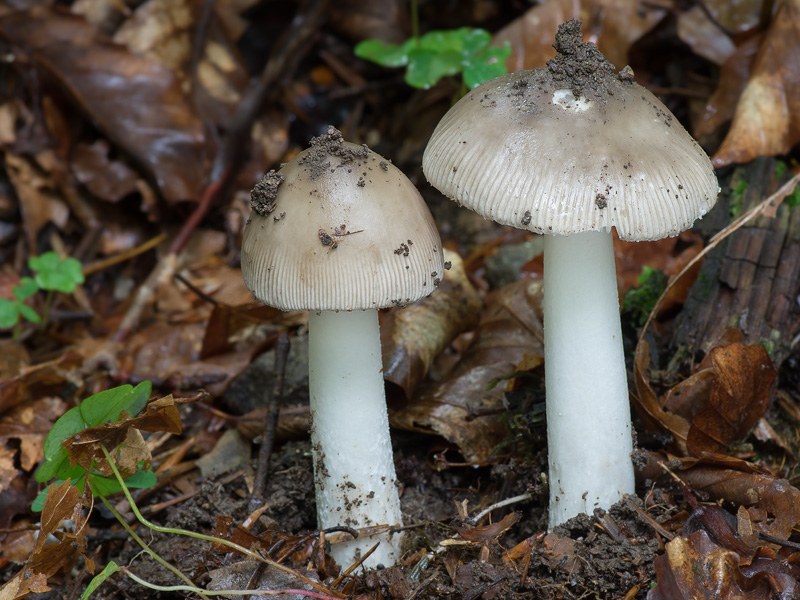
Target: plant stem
415 20
144 546
46 311
200 536
183 588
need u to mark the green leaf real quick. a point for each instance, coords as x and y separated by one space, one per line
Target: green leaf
30 314
70 423
55 273
489 64
426 67
142 479
99 579
9 313
56 456
27 287
139 397
440 53
104 486
383 53
108 405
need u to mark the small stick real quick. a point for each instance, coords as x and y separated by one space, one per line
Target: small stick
521 498
271 422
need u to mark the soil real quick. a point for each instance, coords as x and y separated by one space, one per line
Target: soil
577 560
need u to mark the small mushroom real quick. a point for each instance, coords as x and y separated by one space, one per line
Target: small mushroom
571 150
333 254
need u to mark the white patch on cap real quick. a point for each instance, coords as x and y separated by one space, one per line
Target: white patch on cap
566 99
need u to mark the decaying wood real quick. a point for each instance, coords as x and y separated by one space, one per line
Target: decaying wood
752 279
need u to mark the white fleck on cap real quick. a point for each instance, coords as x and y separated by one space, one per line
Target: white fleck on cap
339 228
571 147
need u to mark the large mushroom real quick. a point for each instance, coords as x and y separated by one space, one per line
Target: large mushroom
571 150
341 232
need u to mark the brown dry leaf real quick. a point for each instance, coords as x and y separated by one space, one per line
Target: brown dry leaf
733 78
767 119
703 36
740 16
42 565
168 355
118 90
413 337
85 447
30 423
7 470
738 397
682 400
45 379
59 505
488 533
42 204
649 408
742 483
695 568
461 408
107 179
614 25
164 32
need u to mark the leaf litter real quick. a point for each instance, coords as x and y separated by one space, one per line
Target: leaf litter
84 152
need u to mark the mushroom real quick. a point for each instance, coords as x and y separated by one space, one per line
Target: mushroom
341 232
572 150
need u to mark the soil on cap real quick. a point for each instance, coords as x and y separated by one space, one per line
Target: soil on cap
581 67
331 144
263 198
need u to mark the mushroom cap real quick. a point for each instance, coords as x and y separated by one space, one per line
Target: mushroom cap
571 147
339 228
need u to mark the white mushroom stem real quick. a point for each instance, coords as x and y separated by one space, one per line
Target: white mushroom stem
354 472
588 411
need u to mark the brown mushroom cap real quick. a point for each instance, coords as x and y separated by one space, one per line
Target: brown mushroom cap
571 147
339 228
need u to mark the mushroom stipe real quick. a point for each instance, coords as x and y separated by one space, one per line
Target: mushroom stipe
573 150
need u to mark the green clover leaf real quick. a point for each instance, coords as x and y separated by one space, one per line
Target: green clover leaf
440 53
55 273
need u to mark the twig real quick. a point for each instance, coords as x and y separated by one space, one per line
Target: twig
292 46
123 256
271 422
767 208
521 498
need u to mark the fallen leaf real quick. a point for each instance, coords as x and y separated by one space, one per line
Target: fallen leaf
7 470
42 204
106 178
767 119
170 141
695 568
743 385
733 78
488 533
45 379
58 505
647 404
614 25
737 17
413 337
746 485
704 36
461 408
